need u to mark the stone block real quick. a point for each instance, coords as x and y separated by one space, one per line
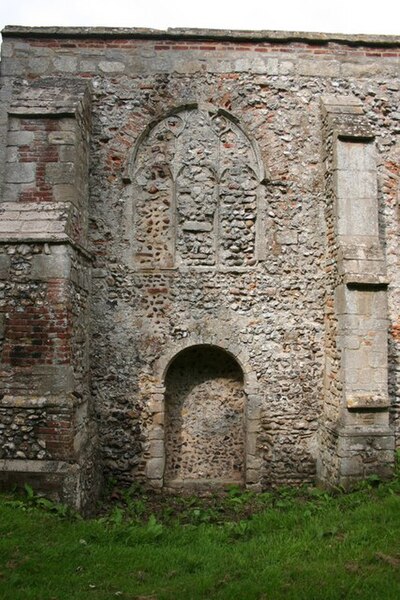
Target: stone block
99 273
197 226
188 66
156 449
367 400
352 342
67 153
12 191
368 68
380 375
366 379
252 475
12 154
354 156
367 419
351 377
155 405
378 359
356 359
54 265
251 444
351 466
221 66
20 173
156 433
355 184
79 441
366 303
259 66
155 468
53 379
65 64
253 463
385 442
7 49
20 138
10 226
156 484
65 192
12 67
357 217
60 173
4 266
287 237
159 418
253 426
39 65
111 66
62 138
270 66
67 124
253 411
242 64
286 67
88 66
13 124
42 227
318 68
341 104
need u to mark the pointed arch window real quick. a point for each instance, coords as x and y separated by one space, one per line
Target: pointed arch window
196 178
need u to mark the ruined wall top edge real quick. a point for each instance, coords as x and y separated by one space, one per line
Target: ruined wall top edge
197 33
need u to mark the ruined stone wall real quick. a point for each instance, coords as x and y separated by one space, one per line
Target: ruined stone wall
211 224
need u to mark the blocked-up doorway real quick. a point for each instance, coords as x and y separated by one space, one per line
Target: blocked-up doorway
204 419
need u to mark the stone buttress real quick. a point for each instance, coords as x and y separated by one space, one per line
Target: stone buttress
47 428
356 438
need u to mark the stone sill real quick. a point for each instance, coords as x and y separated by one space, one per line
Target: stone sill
367 402
36 111
198 34
345 431
365 280
27 402
41 238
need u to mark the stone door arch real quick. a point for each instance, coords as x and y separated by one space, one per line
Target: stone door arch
205 420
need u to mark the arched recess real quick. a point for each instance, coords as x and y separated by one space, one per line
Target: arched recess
205 420
197 186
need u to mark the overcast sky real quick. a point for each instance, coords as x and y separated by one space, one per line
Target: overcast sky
339 16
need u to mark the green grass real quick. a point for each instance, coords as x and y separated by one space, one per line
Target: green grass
303 544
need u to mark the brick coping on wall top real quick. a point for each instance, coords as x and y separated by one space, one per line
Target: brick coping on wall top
201 34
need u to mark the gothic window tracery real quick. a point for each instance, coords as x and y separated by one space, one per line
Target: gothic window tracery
196 192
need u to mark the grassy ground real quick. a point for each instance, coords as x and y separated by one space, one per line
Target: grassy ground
295 545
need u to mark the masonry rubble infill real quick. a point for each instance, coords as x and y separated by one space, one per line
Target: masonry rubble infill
199 279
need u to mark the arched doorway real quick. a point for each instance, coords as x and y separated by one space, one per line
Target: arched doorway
204 419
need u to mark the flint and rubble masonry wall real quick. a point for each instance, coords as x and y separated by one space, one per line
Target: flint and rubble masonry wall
212 220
